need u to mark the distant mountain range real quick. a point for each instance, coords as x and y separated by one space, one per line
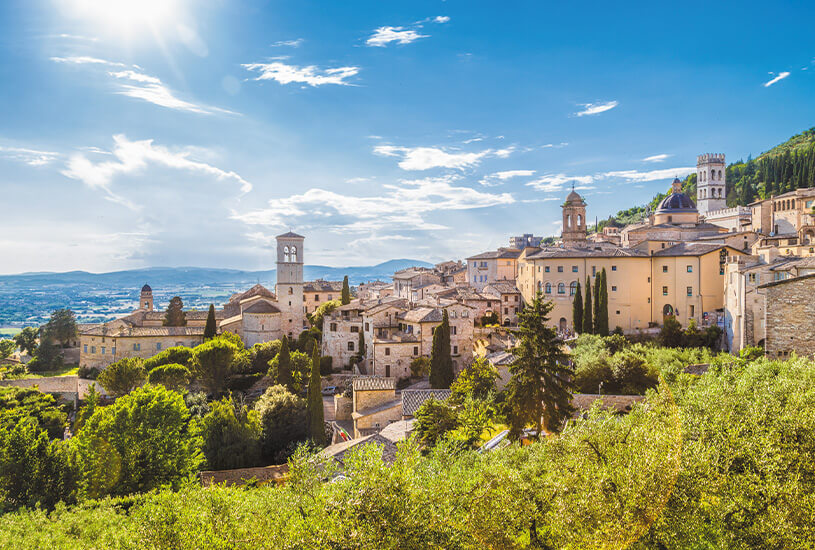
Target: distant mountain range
173 276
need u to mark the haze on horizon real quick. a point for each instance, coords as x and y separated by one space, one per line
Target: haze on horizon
144 133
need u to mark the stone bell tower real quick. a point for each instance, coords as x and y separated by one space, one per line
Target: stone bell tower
711 181
574 220
289 288
146 298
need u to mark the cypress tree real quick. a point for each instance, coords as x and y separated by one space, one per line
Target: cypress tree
361 347
345 298
441 363
595 301
284 376
577 310
588 325
315 401
602 319
210 329
175 316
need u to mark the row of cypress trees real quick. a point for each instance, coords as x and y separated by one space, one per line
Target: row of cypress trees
590 315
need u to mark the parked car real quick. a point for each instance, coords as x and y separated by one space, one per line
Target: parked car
330 390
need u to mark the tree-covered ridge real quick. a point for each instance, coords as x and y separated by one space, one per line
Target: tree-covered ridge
785 167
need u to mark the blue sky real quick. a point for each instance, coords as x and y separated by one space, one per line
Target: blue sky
178 132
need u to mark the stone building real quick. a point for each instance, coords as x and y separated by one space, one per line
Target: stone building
711 177
507 299
493 266
406 281
257 315
789 216
574 220
316 293
525 240
341 331
375 405
789 314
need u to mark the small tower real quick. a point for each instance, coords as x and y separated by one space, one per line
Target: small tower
710 183
574 220
289 288
146 298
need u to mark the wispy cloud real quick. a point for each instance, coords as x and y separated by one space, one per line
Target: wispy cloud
32 157
556 182
401 206
652 175
86 60
424 158
441 19
498 178
656 158
777 78
310 74
135 156
596 108
383 36
289 43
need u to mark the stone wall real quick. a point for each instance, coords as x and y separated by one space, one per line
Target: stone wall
69 388
263 475
789 313
339 341
343 407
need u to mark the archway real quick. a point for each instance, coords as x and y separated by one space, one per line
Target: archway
563 324
668 310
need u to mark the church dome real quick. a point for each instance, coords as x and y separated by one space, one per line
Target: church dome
573 197
677 201
146 288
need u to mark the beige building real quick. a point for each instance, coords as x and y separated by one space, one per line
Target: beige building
375 405
507 301
492 267
406 281
316 293
790 214
788 316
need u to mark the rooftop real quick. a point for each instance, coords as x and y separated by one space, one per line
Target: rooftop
500 254
374 383
413 399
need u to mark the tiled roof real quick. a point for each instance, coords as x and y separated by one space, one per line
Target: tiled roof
398 431
385 303
503 287
422 315
787 281
257 290
500 254
190 315
338 450
411 272
599 250
690 249
261 306
501 358
373 383
397 338
290 235
376 409
119 329
413 399
322 286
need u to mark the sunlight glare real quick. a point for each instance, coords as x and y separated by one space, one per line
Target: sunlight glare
125 15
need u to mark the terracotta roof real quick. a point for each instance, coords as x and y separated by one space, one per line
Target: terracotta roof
599 250
261 306
413 399
338 451
118 329
690 249
191 315
374 383
257 290
398 431
503 287
422 315
397 338
322 286
500 254
392 404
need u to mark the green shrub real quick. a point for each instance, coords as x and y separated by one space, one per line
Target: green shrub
230 434
172 376
326 365
284 421
177 355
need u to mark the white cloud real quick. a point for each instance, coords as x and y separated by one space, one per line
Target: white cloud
402 206
441 19
778 77
358 180
490 179
32 157
652 175
385 35
289 43
656 158
86 60
555 182
424 158
133 157
311 75
596 108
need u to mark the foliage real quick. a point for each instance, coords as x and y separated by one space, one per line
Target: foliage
670 335
211 328
322 310
577 310
26 340
61 327
434 420
305 342
174 316
419 367
89 373
260 355
123 376
197 404
326 365
588 319
7 347
34 471
172 376
601 321
213 362
441 362
284 420
176 355
477 381
345 296
19 403
233 339
315 401
299 367
46 357
280 367
490 318
539 390
141 442
92 402
230 434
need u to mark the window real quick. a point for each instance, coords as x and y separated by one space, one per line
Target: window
506 311
560 269
574 269
351 347
690 269
330 296
572 288
103 350
93 349
690 291
506 298
751 277
136 347
333 327
692 311
594 271
649 279
453 330
415 350
614 268
367 327
561 288
465 313
387 351
546 269
317 298
664 290
613 289
665 269
354 328
85 348
113 351
387 375
548 288
649 300
617 312
455 350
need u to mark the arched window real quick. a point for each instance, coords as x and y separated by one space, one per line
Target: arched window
540 286
568 221
291 290
548 288
572 288
720 175
561 288
286 254
294 253
579 220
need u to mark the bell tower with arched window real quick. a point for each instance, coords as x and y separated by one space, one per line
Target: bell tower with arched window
711 183
574 220
289 288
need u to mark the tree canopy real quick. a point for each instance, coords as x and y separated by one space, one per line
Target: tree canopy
441 361
174 316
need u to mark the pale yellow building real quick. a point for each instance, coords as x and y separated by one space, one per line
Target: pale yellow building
316 293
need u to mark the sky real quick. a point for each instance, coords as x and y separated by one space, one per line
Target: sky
137 133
